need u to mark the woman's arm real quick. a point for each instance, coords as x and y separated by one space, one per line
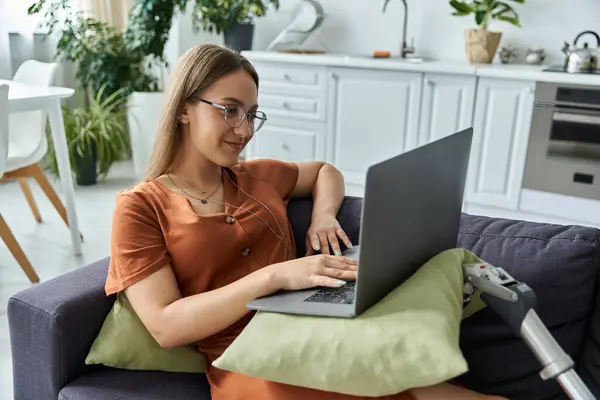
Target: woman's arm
326 184
174 320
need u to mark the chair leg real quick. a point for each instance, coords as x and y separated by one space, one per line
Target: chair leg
38 174
30 200
42 180
17 251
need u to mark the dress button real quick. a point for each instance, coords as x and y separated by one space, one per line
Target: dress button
246 252
230 219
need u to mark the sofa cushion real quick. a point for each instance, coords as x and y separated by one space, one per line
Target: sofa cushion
124 342
411 334
560 263
112 384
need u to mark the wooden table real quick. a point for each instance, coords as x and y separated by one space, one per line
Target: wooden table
24 97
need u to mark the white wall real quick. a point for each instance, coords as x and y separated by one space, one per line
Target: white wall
359 26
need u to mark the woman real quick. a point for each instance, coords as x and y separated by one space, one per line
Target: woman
205 234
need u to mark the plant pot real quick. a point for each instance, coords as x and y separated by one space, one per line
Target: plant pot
239 36
143 114
481 45
86 172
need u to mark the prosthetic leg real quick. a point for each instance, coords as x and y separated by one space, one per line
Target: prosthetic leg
514 302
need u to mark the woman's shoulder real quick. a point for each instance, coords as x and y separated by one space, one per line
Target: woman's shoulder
143 197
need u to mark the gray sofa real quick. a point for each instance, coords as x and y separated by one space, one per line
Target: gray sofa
53 324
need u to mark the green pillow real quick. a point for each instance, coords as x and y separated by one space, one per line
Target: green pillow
409 339
124 342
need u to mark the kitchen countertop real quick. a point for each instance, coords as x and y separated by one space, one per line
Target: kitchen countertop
506 71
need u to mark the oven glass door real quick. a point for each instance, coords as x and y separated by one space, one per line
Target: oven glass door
575 134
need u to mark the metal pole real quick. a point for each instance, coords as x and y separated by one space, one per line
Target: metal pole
556 363
521 317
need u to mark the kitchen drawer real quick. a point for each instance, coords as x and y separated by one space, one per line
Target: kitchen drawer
290 75
285 78
290 140
293 106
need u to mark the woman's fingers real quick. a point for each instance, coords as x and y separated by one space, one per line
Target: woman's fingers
324 244
335 245
309 247
315 242
341 263
325 281
342 235
342 274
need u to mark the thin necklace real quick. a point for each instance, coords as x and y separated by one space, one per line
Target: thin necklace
281 238
258 201
203 201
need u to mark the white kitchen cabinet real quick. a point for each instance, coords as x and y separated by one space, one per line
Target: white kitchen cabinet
446 106
502 119
288 140
294 99
372 115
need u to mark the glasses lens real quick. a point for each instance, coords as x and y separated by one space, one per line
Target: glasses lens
257 120
234 115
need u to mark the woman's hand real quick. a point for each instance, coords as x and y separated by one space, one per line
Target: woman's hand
312 271
325 232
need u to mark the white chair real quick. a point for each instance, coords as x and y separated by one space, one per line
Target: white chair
5 232
27 144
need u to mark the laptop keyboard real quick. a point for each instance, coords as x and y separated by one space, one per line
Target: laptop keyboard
342 295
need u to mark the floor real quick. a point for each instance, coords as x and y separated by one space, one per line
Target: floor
48 244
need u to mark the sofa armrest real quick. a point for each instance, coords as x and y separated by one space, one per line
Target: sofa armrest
52 327
349 217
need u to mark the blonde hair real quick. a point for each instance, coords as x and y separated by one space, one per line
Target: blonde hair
196 70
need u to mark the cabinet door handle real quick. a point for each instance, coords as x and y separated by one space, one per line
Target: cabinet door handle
427 82
285 104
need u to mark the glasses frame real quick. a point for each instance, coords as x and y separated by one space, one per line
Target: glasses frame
245 118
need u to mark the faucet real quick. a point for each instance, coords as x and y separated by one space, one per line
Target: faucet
405 49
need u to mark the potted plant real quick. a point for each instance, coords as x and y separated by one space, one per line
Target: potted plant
233 18
96 137
117 62
481 44
146 35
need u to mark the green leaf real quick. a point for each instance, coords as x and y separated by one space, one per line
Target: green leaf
507 14
479 17
461 7
513 20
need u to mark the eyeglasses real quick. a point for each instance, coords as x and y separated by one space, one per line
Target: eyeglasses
235 115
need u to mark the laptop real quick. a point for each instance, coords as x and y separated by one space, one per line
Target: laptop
411 212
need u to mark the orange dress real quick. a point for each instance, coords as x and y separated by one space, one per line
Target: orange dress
154 226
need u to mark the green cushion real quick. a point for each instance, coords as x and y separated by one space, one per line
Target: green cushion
409 339
124 342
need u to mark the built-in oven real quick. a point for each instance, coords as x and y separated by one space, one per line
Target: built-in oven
563 155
